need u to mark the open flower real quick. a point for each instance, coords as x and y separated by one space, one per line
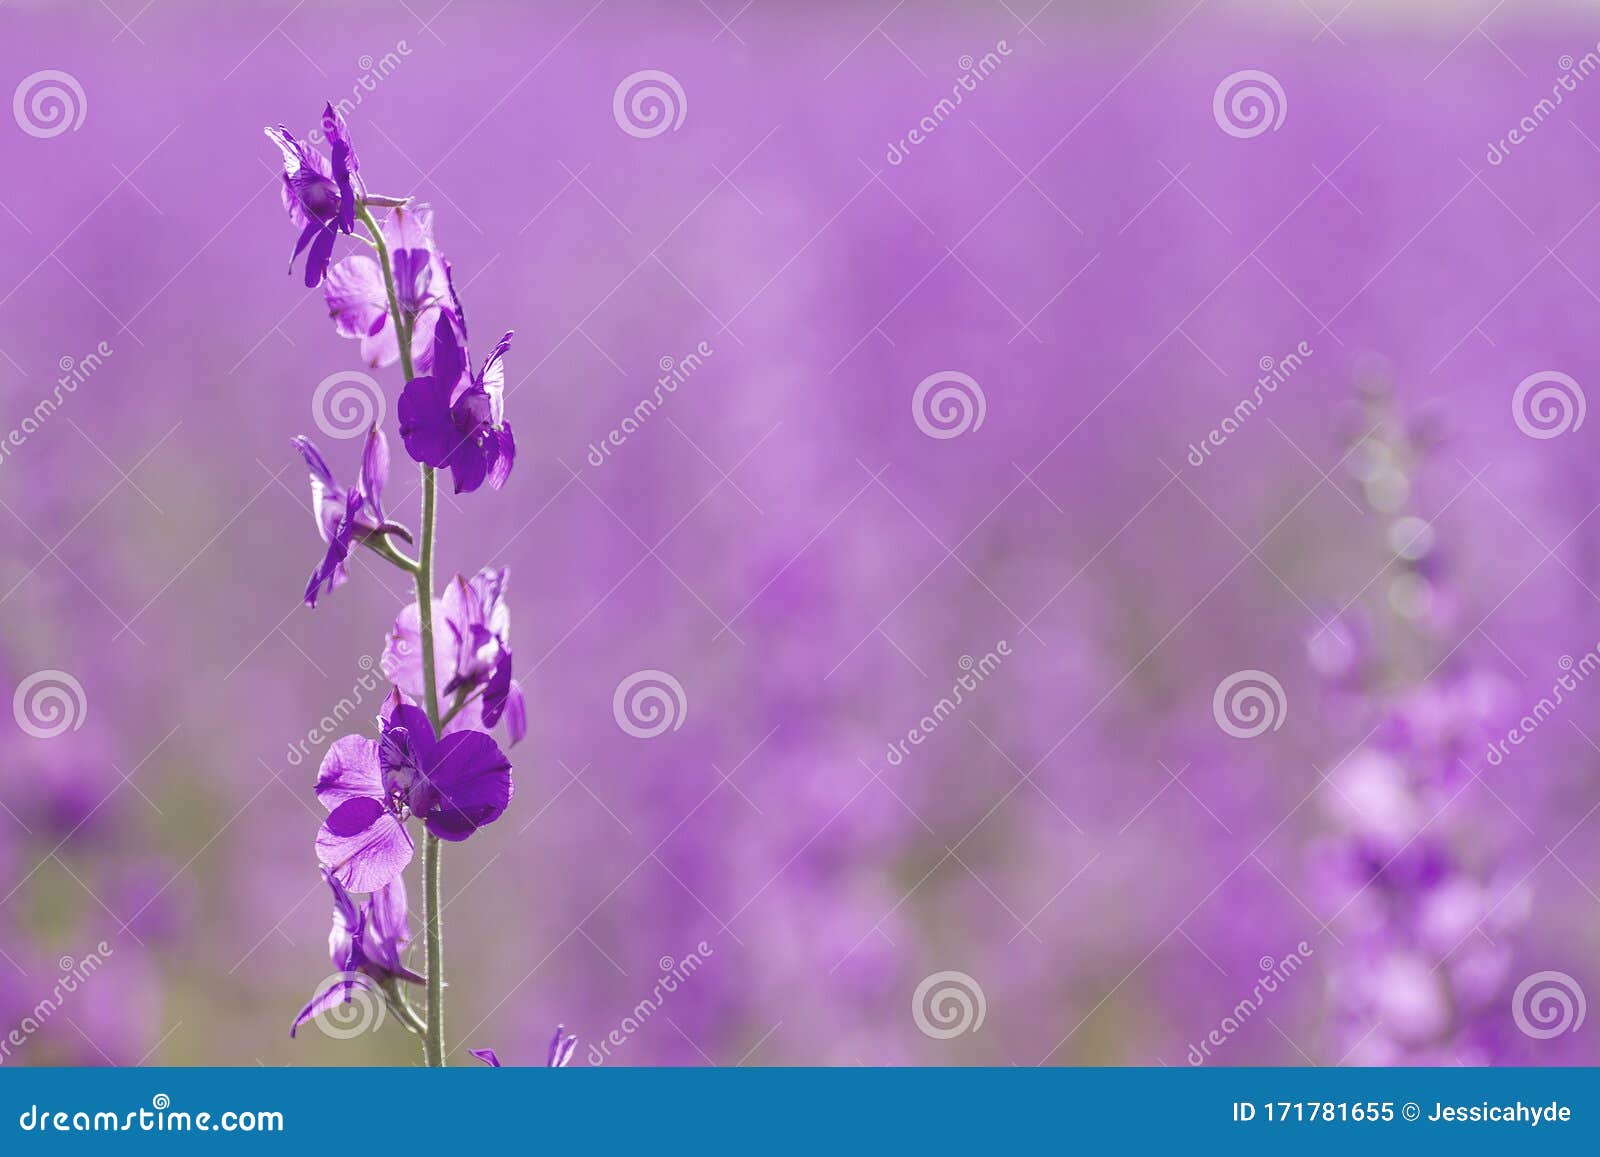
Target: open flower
320 195
358 298
472 652
367 945
455 784
561 1050
346 516
448 418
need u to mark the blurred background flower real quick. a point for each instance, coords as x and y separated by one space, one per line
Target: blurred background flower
1223 311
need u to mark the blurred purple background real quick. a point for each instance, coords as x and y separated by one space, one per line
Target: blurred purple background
1080 838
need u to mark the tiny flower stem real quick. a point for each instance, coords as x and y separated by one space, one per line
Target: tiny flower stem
422 572
384 549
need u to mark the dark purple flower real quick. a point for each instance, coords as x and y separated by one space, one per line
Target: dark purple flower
358 298
472 651
455 785
448 418
320 195
561 1050
366 944
345 516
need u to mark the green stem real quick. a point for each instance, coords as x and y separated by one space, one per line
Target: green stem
422 571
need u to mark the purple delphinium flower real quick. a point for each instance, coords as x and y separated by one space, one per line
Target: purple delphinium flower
358 297
345 516
472 640
455 785
561 1050
449 418
367 945
320 195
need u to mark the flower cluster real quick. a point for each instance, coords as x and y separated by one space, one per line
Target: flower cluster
431 758
1419 973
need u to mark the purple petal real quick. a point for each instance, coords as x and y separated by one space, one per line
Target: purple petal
468 785
426 427
503 453
487 1056
339 992
363 844
346 934
516 714
317 260
350 769
330 572
497 691
468 466
388 932
402 650
493 377
375 471
561 1049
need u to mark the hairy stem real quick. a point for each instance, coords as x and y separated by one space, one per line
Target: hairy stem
433 1039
